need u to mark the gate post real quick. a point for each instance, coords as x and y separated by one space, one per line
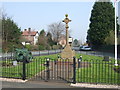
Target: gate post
48 71
74 70
24 68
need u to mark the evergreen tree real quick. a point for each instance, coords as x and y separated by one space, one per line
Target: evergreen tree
10 34
49 39
42 32
102 22
42 40
75 42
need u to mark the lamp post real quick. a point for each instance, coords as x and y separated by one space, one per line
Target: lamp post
116 62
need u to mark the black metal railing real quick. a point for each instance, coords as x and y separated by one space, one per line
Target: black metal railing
10 68
97 71
80 70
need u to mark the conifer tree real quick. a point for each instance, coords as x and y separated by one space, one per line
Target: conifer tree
102 21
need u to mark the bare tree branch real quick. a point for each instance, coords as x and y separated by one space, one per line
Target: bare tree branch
56 29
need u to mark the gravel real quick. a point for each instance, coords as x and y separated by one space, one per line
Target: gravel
86 85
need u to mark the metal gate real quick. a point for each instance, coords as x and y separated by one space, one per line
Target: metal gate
59 69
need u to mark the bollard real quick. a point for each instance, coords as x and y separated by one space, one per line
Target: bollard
79 60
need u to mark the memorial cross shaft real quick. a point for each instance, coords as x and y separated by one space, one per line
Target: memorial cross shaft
67 20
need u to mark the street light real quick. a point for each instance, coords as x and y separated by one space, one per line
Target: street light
116 62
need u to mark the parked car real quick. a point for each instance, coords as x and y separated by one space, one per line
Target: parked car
85 48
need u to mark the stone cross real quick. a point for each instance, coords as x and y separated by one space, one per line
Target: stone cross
66 20
67 52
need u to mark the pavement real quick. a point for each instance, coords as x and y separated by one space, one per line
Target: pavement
8 83
53 85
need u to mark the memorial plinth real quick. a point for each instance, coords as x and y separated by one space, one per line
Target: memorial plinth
67 52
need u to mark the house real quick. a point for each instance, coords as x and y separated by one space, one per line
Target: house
62 41
29 37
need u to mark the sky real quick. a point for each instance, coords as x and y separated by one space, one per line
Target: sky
38 15
119 12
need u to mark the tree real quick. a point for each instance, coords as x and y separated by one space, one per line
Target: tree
10 33
76 42
101 23
42 40
110 39
49 39
42 32
56 29
118 40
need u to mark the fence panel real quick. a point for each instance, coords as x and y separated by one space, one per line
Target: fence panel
11 68
97 71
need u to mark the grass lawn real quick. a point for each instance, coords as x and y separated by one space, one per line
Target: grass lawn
98 71
32 68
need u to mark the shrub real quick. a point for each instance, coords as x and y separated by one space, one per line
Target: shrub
28 46
41 47
57 47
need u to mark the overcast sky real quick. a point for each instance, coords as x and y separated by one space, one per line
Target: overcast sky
38 15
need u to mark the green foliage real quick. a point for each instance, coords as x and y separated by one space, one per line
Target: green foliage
10 46
106 48
35 48
75 42
98 70
45 41
49 39
102 22
28 46
110 39
57 47
10 33
42 40
41 47
42 32
119 40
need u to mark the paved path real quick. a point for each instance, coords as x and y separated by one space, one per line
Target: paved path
34 84
17 83
45 85
61 70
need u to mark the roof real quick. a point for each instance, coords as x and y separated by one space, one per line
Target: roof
29 33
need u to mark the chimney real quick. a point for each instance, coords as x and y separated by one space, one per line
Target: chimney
25 29
29 29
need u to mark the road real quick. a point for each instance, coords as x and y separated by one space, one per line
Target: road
48 52
34 53
45 52
96 53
